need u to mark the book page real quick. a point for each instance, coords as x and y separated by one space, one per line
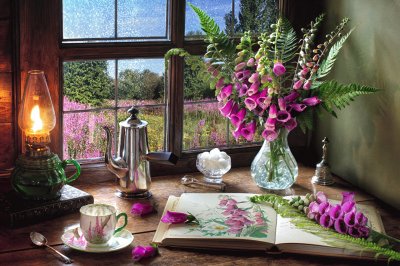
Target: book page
286 232
224 216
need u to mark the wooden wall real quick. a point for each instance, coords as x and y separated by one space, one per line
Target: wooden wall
7 140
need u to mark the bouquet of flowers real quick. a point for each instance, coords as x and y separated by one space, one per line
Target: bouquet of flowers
261 84
271 84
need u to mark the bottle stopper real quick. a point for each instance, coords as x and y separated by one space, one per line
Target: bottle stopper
323 174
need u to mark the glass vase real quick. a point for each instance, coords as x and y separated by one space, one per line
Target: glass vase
274 166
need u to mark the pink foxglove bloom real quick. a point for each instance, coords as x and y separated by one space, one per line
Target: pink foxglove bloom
225 92
265 79
254 78
307 85
361 219
251 102
273 112
237 133
340 226
279 69
325 220
220 84
142 208
292 97
348 206
298 107
242 75
270 123
313 210
227 108
215 73
291 124
253 88
242 88
140 252
282 104
312 101
269 135
240 66
264 101
324 207
297 85
283 116
249 130
177 218
237 117
336 212
347 196
304 71
321 197
251 62
350 219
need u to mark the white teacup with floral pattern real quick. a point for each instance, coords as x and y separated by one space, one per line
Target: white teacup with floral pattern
98 222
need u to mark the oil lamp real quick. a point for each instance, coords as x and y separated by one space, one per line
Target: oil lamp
39 174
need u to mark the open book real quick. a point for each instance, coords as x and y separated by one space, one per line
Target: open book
249 227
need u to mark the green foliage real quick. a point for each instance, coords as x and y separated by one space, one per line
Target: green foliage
306 119
87 82
328 63
196 80
338 95
222 44
286 41
330 236
144 85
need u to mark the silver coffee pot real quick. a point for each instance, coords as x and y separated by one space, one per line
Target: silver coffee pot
131 165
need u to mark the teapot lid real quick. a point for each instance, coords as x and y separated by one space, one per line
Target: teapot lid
133 121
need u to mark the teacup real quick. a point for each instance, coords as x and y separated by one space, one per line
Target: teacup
98 222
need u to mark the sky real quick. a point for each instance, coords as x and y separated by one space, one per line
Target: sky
135 18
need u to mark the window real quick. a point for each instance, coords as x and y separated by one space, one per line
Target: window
120 45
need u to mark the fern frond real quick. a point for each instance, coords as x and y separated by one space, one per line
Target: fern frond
286 43
331 237
327 64
213 32
338 95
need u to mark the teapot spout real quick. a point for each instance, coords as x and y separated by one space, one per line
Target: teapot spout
117 165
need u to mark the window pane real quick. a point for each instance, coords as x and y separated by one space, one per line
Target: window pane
155 117
203 126
140 82
88 84
249 15
84 136
197 81
88 19
142 18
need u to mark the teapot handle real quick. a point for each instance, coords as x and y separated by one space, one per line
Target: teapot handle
78 169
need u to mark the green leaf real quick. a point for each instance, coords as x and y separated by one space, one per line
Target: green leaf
327 64
305 119
338 95
286 43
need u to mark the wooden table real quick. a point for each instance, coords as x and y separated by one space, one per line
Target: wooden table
18 250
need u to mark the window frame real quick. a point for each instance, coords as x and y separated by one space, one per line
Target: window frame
51 26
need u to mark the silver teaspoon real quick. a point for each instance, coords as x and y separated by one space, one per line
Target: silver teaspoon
39 240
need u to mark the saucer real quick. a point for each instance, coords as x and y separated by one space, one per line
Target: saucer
119 241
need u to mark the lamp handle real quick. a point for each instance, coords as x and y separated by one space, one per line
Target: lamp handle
78 170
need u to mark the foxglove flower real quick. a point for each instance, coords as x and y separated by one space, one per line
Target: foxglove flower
142 208
282 104
291 124
237 133
242 75
254 78
312 101
324 207
225 92
264 101
227 108
251 62
178 218
253 88
307 85
348 206
350 219
242 88
270 123
347 196
304 71
283 116
297 85
251 102
237 117
273 112
279 69
140 252
265 79
291 97
240 66
313 210
321 197
249 130
360 219
325 220
298 107
340 226
220 84
336 212
269 135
